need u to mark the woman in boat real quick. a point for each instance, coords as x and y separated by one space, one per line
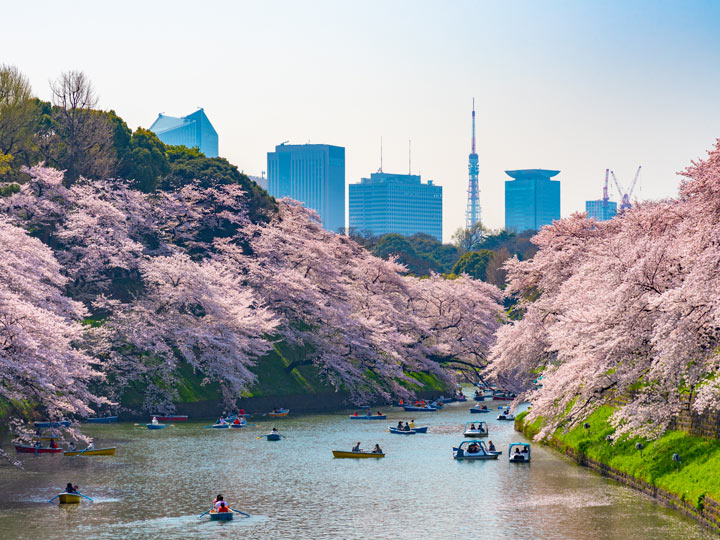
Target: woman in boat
491 446
356 448
154 421
377 449
218 502
400 425
412 424
223 507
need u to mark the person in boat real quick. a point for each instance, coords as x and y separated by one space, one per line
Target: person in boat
472 426
71 446
491 446
378 413
237 421
406 427
517 450
412 424
90 446
70 488
355 414
400 425
242 412
274 430
218 503
473 448
377 449
223 507
356 448
53 444
154 421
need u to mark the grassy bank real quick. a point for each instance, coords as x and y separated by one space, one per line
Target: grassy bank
694 478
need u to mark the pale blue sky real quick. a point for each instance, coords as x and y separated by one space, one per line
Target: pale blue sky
578 86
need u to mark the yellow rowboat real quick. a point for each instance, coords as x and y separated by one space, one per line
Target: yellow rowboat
69 498
94 452
356 455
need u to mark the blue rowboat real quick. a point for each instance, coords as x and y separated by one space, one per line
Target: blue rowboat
221 516
401 431
64 423
368 417
412 408
102 420
273 436
155 426
420 429
477 409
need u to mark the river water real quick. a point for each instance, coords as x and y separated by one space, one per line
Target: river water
160 481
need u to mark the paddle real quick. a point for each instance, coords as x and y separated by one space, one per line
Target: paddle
88 498
201 515
239 512
55 497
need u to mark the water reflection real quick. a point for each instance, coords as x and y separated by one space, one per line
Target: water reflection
160 481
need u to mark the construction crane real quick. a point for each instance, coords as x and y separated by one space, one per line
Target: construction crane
625 196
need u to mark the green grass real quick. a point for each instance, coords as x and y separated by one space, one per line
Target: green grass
697 476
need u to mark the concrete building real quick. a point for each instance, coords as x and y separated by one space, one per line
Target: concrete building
532 199
601 210
396 203
313 174
193 131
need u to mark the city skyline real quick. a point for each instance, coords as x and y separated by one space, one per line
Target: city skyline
560 85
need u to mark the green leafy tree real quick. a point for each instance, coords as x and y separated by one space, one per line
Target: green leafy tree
473 263
144 161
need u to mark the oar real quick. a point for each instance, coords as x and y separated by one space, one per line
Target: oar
55 497
239 512
201 515
88 498
81 453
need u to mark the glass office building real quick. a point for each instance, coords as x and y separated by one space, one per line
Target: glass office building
396 203
193 131
532 199
313 174
601 210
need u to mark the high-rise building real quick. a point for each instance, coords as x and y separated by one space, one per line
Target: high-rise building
532 199
193 131
313 174
601 210
473 213
396 203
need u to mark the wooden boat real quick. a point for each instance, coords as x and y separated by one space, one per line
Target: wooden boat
475 429
523 456
220 426
477 409
413 408
401 431
29 449
155 426
278 413
102 420
63 423
93 452
368 417
69 498
221 516
355 455
273 436
461 451
175 418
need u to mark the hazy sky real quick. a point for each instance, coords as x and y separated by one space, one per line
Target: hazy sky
578 86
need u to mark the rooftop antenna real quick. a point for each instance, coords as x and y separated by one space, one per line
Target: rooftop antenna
409 157
381 156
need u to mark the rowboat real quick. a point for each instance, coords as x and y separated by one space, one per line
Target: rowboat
503 396
221 516
420 429
238 426
28 449
278 413
273 436
69 498
401 431
155 426
413 408
506 415
521 454
355 455
462 451
63 423
475 429
477 409
93 452
368 417
178 418
102 420
220 426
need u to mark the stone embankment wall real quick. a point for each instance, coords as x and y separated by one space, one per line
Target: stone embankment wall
699 425
707 513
